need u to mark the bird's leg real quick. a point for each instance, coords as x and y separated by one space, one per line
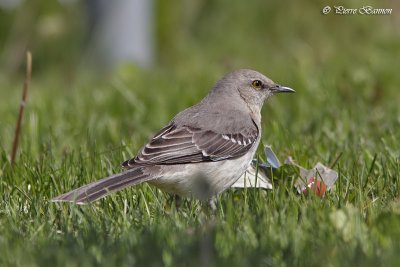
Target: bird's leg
177 200
213 203
209 208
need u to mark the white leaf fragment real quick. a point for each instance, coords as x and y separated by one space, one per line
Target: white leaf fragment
252 178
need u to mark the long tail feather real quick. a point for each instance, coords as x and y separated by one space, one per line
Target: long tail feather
99 189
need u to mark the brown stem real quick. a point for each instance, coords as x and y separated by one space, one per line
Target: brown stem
336 160
22 105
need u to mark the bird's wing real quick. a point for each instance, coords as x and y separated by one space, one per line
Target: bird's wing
185 144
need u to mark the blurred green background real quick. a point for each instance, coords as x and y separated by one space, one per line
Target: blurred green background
330 59
83 120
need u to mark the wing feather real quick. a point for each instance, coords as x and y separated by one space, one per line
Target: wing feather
178 145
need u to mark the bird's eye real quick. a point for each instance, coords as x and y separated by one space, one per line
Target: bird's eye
257 84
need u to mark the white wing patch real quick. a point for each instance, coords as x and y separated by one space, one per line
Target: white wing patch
225 137
233 140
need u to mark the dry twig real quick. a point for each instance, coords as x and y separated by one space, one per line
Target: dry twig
22 105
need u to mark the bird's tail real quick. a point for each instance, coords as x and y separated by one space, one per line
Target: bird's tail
99 189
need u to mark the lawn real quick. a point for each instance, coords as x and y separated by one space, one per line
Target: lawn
80 127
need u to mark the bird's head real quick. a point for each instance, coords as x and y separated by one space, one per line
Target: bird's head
253 87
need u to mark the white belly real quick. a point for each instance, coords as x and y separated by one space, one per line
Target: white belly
203 180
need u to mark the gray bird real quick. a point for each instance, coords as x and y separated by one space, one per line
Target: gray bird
211 143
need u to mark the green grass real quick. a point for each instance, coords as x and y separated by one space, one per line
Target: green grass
345 72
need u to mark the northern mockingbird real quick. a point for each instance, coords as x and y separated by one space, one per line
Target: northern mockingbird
211 143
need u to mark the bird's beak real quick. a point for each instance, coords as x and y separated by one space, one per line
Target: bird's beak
281 89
